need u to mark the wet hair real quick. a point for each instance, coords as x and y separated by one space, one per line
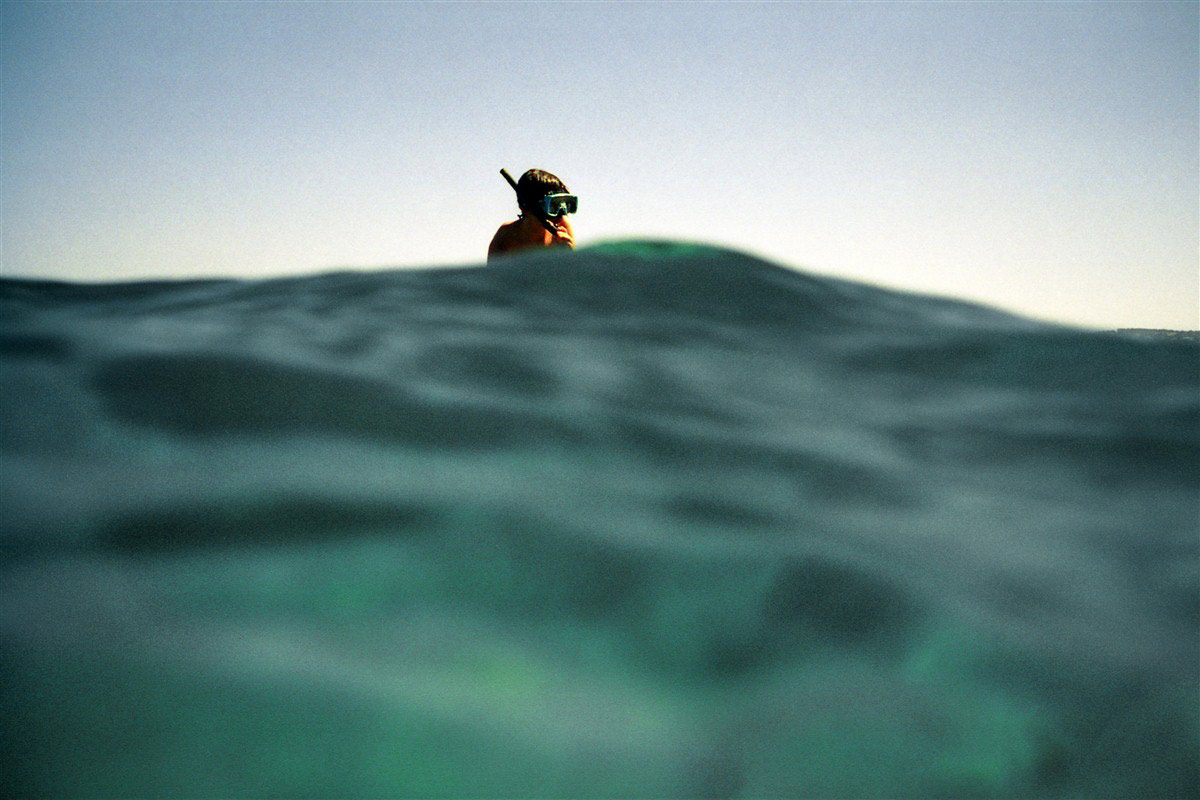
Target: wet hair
536 184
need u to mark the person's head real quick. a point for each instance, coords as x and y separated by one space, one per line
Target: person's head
533 186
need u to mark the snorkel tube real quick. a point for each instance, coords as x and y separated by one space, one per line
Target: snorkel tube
545 222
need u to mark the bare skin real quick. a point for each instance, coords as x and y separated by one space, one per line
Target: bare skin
528 232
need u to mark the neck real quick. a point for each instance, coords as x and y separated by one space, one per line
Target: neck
532 221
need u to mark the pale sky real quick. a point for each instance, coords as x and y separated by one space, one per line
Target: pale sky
1041 157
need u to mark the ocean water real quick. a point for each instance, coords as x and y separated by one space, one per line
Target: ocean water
645 520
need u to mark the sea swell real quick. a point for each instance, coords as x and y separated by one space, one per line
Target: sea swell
643 520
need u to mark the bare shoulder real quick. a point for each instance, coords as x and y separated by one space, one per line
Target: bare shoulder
510 236
506 239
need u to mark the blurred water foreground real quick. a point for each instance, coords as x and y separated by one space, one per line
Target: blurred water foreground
646 520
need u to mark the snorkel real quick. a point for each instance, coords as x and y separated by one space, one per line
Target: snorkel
552 205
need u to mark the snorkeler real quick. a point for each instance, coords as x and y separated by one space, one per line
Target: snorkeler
544 202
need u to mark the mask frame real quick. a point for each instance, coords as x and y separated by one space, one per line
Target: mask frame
559 204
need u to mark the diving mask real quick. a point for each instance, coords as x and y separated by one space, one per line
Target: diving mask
556 205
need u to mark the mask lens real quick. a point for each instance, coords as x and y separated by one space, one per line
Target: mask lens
556 205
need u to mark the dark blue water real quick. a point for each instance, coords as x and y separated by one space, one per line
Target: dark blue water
643 520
